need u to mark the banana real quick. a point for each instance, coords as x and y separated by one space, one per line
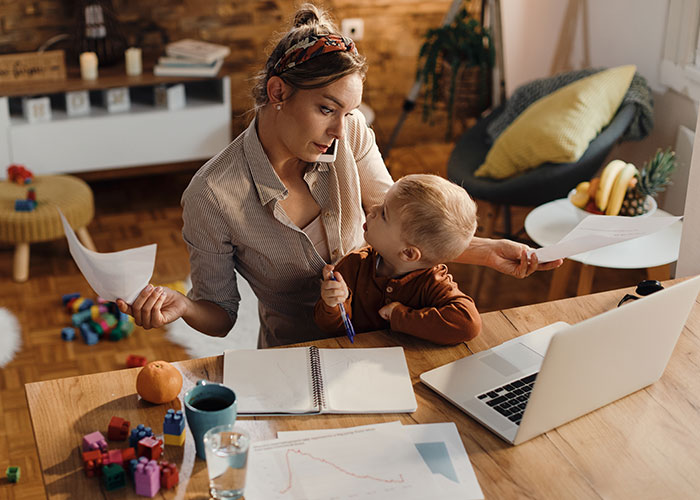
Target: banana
617 194
607 179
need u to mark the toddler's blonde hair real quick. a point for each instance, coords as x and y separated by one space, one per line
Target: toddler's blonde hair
437 216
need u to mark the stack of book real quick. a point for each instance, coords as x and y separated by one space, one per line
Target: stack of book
191 58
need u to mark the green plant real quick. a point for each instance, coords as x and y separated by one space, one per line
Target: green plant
463 43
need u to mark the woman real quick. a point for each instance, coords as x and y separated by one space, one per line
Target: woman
267 208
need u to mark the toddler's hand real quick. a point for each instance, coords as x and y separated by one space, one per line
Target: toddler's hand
385 312
333 292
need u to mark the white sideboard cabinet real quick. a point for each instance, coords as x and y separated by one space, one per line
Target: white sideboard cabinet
144 134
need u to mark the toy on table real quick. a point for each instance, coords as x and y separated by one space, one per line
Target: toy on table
94 441
169 476
118 429
138 433
92 463
150 448
114 477
174 428
112 457
113 465
28 204
147 477
19 174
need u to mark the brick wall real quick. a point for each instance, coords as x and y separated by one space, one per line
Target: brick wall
392 37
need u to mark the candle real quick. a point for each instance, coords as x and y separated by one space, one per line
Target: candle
88 65
132 55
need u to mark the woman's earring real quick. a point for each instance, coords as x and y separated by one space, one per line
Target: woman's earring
278 107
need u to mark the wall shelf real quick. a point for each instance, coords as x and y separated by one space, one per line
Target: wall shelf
143 135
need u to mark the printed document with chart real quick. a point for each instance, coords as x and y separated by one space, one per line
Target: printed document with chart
371 462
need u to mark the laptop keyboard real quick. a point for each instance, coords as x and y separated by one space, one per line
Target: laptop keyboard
510 399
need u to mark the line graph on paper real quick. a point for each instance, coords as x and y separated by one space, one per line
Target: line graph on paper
345 466
300 453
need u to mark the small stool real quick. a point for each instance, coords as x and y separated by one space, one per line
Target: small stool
72 195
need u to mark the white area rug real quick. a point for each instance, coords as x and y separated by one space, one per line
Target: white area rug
10 336
243 335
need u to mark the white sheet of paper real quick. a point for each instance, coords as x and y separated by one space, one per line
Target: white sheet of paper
441 448
114 275
369 463
597 231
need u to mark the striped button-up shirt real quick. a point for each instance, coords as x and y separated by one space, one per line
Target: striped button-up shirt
234 223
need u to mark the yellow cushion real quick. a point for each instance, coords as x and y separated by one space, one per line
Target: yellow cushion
558 127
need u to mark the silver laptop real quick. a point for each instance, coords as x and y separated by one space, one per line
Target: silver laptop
538 381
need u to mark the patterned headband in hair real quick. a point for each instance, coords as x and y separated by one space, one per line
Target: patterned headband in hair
310 47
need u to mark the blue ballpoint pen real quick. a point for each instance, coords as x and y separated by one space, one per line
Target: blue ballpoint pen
346 319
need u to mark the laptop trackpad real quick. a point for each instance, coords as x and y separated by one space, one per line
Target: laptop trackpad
511 358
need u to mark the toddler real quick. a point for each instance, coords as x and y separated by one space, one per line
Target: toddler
399 281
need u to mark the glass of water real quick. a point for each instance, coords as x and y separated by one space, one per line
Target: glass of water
226 449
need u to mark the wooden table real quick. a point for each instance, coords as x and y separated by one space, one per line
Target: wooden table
646 445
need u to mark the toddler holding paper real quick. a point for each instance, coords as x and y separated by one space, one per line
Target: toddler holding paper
398 281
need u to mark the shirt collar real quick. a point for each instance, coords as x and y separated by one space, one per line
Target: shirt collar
267 182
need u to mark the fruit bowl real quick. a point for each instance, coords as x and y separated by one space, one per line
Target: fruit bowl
649 203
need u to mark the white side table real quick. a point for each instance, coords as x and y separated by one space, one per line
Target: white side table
548 223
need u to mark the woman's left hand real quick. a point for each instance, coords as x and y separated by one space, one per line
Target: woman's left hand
510 257
505 256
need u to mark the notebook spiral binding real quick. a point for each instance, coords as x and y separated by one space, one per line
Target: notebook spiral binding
316 378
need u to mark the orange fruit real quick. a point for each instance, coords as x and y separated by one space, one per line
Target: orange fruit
159 382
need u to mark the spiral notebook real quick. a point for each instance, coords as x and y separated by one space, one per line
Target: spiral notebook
298 380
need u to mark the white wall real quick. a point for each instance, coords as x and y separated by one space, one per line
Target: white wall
619 32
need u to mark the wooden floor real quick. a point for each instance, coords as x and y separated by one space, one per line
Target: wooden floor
142 210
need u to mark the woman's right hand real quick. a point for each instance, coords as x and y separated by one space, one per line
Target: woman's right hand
155 307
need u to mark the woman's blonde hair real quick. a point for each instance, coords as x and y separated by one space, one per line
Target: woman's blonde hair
317 72
437 216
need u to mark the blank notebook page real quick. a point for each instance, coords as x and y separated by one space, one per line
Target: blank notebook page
367 380
270 381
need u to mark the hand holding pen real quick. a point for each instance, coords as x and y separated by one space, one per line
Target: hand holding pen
334 291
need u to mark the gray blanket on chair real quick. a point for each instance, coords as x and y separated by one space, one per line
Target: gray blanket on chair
639 94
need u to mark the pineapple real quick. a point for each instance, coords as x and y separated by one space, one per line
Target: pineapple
651 180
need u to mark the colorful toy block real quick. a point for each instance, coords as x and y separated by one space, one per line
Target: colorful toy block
114 476
94 441
118 429
19 174
92 462
89 335
80 317
150 448
147 479
138 433
133 360
173 440
174 422
24 205
169 476
112 457
68 333
133 463
66 298
13 473
128 454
